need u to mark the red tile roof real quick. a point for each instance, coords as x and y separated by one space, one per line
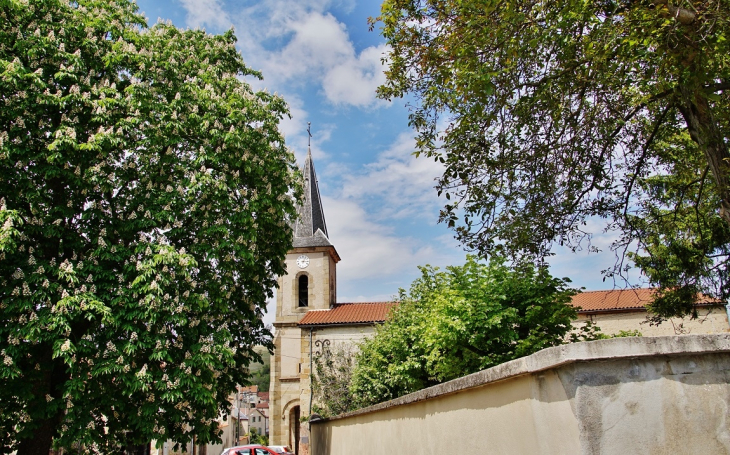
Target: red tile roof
263 396
248 389
349 313
619 300
262 405
588 301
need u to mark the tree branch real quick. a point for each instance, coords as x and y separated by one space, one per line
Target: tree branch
682 15
699 199
642 159
474 349
712 88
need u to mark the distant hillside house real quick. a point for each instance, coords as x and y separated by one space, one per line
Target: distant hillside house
309 319
259 421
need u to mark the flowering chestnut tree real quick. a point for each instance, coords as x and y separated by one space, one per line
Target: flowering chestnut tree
144 196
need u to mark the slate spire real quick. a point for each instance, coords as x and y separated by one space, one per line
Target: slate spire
310 229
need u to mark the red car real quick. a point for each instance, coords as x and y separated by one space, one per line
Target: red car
250 449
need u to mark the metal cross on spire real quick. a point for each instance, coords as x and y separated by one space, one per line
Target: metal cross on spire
309 131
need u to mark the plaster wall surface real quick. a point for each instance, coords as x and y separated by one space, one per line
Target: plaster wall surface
344 335
646 395
291 341
338 337
710 320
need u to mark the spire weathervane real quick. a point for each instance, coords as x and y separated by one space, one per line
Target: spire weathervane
309 131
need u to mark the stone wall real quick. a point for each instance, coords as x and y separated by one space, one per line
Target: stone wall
646 395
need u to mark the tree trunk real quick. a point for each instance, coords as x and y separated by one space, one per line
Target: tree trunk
41 441
704 131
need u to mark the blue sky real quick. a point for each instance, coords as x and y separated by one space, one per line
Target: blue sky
379 202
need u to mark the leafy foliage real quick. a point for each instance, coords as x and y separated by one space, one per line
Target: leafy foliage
685 245
256 438
557 112
459 321
261 372
144 196
591 332
331 379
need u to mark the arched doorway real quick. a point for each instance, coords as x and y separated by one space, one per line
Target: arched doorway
294 429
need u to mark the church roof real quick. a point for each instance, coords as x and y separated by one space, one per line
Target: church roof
588 302
318 239
349 314
621 300
310 229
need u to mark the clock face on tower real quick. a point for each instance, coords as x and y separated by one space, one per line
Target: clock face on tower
303 261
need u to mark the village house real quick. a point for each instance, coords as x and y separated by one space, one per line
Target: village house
625 310
258 421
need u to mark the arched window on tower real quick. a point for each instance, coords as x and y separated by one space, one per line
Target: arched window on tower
303 291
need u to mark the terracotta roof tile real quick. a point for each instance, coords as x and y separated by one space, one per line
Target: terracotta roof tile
349 313
248 389
589 301
619 300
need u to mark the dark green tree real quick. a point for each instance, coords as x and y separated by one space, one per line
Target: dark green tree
459 321
261 372
144 197
546 114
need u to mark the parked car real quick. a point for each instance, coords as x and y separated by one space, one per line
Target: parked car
281 449
250 449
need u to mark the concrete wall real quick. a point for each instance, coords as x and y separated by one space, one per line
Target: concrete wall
647 395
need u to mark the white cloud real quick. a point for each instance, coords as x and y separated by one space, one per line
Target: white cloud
270 314
354 80
584 267
201 13
375 261
369 249
319 42
274 18
402 184
360 221
309 46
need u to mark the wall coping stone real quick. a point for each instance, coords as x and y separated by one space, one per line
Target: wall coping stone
611 349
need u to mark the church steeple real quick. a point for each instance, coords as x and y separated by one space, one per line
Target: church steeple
310 229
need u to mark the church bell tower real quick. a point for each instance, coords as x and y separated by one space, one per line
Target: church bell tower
309 284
